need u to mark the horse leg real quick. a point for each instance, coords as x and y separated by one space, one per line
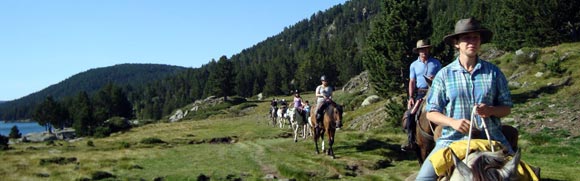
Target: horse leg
315 137
330 143
304 131
295 134
321 134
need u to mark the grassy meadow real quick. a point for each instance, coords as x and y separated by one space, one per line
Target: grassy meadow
253 150
239 144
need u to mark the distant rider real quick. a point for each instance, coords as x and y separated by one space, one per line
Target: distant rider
323 97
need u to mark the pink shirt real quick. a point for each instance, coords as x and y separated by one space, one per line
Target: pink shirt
297 102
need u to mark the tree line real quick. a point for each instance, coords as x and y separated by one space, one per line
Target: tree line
340 43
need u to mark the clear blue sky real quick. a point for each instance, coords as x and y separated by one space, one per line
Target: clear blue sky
45 42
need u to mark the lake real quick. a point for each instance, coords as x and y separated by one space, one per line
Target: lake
24 127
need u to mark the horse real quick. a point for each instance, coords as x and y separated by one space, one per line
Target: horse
332 119
273 115
282 116
485 165
424 132
297 121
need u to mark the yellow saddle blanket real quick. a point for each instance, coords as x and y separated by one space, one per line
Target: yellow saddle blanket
442 160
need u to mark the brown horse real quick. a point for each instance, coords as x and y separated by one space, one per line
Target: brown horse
424 136
332 119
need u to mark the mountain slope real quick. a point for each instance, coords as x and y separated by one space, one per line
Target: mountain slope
124 75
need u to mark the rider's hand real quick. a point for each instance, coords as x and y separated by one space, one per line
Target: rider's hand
461 125
484 110
410 103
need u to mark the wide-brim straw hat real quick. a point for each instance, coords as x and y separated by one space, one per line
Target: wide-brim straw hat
469 25
422 44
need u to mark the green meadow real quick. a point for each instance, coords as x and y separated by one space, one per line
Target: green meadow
237 143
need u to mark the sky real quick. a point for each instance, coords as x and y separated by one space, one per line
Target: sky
45 42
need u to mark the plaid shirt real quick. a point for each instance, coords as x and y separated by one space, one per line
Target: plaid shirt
455 91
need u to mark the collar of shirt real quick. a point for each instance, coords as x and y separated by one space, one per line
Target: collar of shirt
456 66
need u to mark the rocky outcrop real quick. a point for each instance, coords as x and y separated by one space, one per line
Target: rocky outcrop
197 105
359 83
64 134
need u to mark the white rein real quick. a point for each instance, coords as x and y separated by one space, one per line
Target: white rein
471 125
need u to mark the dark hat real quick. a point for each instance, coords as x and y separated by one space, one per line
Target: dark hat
467 26
422 44
323 78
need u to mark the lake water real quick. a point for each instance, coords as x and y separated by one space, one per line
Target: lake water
25 128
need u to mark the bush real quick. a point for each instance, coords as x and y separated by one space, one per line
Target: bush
15 133
99 175
117 124
125 145
395 109
90 143
57 160
4 142
102 131
152 141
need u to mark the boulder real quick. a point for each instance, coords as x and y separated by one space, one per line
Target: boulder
40 137
370 100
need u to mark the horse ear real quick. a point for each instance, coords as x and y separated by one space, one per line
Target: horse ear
511 166
463 169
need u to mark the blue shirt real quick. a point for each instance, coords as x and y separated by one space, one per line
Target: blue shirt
418 70
455 91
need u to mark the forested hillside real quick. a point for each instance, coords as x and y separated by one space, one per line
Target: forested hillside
128 76
341 42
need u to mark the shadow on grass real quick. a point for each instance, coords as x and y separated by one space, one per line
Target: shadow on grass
385 148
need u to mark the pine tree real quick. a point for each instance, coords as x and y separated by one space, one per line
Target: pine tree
393 36
14 132
49 113
82 113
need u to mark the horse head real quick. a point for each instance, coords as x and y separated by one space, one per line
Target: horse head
484 165
336 111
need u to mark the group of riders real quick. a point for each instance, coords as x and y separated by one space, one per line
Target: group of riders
449 93
302 107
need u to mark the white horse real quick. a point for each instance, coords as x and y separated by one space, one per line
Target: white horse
298 122
486 165
282 117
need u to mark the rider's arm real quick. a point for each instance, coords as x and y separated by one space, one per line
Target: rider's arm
318 93
461 125
412 86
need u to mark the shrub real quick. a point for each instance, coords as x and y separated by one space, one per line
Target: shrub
152 141
102 131
99 175
117 124
90 143
14 132
395 109
4 142
57 160
125 145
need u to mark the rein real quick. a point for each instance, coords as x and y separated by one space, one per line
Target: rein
471 125
417 114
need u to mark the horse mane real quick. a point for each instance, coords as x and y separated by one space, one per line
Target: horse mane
487 165
484 165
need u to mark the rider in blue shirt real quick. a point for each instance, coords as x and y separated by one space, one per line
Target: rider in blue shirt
421 73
